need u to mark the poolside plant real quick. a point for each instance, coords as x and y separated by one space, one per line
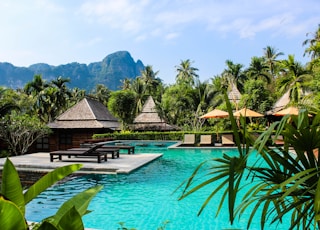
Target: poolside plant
277 182
13 200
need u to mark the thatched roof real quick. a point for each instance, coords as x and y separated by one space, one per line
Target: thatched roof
234 94
149 119
280 104
87 113
284 101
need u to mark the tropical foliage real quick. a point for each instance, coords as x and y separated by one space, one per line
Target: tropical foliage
280 183
13 200
121 104
20 131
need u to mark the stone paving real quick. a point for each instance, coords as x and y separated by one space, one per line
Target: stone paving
124 164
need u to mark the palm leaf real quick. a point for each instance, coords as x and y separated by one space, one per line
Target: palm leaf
11 216
80 202
297 181
46 225
317 204
76 222
48 180
11 186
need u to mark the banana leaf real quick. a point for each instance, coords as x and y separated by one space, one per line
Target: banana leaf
11 216
80 202
11 186
48 180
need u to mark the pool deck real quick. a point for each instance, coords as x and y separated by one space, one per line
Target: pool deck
41 162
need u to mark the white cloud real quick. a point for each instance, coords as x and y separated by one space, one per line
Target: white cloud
242 17
34 27
121 14
171 36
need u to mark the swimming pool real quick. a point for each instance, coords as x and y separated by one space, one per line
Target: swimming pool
144 199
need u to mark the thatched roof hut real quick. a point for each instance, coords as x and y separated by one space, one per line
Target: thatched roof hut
149 119
284 101
280 104
88 113
234 94
78 124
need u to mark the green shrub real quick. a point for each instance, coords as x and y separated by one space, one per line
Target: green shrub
160 136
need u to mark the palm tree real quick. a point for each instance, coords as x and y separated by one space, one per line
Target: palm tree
35 86
63 94
76 95
148 76
234 75
203 95
186 73
314 44
126 84
50 98
139 89
217 83
294 77
46 104
102 94
270 57
258 69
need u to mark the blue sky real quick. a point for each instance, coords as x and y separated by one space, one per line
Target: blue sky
160 33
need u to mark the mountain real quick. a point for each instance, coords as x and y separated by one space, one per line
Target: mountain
110 71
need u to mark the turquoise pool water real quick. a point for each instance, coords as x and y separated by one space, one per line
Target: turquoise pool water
144 199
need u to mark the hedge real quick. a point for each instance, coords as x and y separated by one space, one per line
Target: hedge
178 135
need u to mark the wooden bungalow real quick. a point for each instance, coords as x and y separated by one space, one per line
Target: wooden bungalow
149 119
78 124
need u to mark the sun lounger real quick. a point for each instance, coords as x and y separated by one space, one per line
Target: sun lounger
205 140
87 153
189 139
121 146
114 151
128 148
227 139
142 144
69 153
278 141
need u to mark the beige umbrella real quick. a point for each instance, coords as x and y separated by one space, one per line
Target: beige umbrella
288 111
216 113
247 113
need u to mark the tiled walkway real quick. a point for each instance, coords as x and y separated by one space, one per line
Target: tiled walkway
41 162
